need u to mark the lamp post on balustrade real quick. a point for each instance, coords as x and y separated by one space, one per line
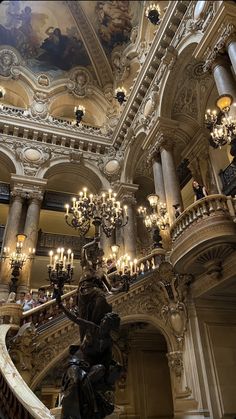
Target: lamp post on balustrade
60 268
17 259
156 219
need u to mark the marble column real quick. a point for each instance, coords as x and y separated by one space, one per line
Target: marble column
105 244
158 178
130 230
12 229
231 48
223 76
171 181
31 231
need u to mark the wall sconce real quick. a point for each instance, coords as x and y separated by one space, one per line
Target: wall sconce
79 113
17 259
153 13
120 93
2 92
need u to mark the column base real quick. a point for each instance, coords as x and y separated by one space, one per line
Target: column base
4 292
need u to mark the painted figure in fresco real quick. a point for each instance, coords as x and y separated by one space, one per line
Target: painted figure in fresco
115 22
21 28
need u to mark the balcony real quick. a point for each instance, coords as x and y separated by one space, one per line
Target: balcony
203 232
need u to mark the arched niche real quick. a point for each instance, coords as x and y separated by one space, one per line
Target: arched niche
7 166
15 93
62 106
132 157
71 178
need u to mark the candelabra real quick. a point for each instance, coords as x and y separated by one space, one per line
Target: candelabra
155 220
79 113
17 259
2 92
101 211
153 13
120 94
221 124
60 268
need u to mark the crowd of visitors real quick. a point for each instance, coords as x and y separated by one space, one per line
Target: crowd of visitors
28 301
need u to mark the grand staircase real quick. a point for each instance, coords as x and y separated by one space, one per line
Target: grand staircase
46 333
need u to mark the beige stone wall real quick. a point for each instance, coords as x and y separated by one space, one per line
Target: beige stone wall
147 394
218 333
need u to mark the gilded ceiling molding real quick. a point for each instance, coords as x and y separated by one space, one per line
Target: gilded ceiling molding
92 44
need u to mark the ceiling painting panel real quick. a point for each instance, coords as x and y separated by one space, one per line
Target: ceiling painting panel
45 35
113 21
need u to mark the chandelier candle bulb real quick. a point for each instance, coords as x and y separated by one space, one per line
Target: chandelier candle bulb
67 209
135 265
50 257
72 259
85 192
110 191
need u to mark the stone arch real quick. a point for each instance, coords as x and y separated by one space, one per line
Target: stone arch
132 158
154 321
184 94
146 318
16 93
9 164
88 175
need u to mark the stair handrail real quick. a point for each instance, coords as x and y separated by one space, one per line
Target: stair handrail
17 399
50 309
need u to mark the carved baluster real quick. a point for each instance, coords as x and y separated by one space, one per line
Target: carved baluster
211 206
204 209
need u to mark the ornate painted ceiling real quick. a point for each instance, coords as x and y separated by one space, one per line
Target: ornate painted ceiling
54 37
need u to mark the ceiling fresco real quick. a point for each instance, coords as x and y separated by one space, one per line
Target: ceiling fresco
45 35
113 21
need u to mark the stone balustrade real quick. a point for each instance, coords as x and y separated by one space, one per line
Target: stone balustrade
50 312
52 131
207 222
17 401
206 207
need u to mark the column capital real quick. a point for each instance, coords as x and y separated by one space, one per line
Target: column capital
153 155
126 192
213 55
28 188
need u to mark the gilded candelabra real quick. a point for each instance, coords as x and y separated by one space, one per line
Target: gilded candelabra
102 211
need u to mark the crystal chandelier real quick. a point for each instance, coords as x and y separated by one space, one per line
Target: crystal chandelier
158 217
221 124
60 268
102 211
17 259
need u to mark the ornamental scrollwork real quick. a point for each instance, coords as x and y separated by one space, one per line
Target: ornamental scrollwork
174 311
8 59
22 346
31 157
79 81
110 164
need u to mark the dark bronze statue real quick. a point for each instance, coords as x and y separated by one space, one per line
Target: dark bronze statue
88 384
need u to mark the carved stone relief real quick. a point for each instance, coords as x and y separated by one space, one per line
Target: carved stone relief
110 165
79 81
32 157
8 59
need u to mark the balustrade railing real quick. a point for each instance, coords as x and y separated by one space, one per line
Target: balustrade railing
49 311
209 206
17 401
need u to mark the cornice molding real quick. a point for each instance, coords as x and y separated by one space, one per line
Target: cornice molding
155 59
